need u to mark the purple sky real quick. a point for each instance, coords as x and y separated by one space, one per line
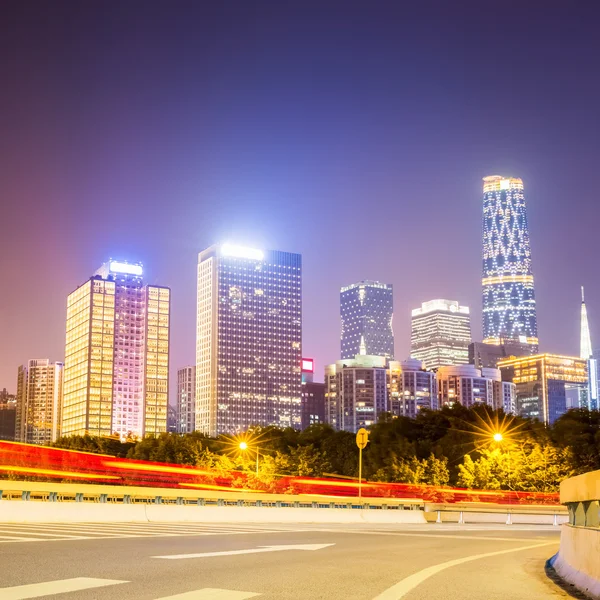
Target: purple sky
356 135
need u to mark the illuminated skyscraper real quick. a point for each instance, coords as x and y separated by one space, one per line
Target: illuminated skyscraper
441 333
509 313
366 309
588 398
117 355
411 388
186 399
39 401
248 342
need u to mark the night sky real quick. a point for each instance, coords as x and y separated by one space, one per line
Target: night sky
354 133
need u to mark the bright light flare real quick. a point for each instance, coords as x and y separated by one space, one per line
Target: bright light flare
243 446
498 437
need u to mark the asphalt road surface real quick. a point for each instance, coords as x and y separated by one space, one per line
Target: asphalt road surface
156 561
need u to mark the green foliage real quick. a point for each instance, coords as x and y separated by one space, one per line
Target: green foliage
438 448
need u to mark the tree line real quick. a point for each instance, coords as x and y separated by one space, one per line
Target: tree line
454 446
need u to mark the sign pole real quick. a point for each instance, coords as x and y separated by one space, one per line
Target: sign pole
360 472
362 439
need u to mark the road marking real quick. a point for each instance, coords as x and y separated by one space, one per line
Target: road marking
436 535
412 581
60 586
212 594
24 533
258 550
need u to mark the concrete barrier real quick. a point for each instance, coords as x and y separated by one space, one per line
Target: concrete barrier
578 559
18 511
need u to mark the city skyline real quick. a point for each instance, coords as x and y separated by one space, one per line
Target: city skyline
292 158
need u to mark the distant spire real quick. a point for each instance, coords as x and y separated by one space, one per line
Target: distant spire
586 342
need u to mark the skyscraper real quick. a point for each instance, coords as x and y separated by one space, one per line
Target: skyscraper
39 401
117 355
411 388
313 396
589 397
509 313
366 309
248 342
186 399
441 333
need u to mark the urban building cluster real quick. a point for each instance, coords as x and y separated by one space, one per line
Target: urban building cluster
249 369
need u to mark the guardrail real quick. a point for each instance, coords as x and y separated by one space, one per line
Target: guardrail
578 560
462 513
74 492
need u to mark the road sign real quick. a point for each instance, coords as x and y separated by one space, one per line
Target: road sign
362 438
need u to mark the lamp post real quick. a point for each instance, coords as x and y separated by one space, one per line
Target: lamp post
243 447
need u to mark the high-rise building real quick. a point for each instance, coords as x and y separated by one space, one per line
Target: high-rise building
411 388
487 355
186 399
545 383
313 396
509 312
8 411
356 392
441 333
588 397
39 402
464 384
248 342
117 355
367 309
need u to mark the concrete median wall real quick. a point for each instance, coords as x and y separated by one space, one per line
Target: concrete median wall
517 518
578 560
15 511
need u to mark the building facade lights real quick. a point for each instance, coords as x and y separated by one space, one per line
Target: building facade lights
509 309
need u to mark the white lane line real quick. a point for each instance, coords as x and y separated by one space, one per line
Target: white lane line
9 538
25 533
60 586
412 581
212 594
56 531
437 535
258 550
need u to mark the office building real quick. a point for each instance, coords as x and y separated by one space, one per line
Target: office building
313 396
509 311
117 355
8 411
487 355
464 384
589 396
39 402
248 343
186 400
366 310
411 388
545 383
355 392
441 333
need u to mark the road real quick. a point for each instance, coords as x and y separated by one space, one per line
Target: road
150 561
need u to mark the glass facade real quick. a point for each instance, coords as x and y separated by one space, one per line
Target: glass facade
366 310
249 337
116 356
509 312
441 333
544 383
465 385
186 400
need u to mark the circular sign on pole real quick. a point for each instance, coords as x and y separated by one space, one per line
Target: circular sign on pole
362 438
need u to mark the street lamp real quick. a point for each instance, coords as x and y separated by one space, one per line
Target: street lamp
497 437
244 446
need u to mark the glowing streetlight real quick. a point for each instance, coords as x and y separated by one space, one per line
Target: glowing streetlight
243 446
497 437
